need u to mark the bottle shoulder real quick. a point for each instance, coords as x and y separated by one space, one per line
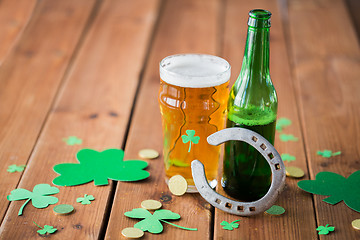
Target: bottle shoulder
251 104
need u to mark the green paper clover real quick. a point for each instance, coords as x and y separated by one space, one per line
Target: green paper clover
281 123
190 137
337 187
288 157
86 199
327 153
288 137
230 226
151 222
72 140
325 230
99 167
38 196
15 168
46 229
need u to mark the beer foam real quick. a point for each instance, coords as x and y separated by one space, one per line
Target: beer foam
194 70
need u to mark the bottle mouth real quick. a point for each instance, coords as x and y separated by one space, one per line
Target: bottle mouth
260 14
259 18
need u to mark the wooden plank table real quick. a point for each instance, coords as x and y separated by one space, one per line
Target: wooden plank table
89 68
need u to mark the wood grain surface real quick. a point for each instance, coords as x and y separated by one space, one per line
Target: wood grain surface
92 105
90 68
327 68
29 80
199 27
14 16
298 222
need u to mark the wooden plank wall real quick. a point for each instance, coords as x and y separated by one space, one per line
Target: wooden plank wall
93 105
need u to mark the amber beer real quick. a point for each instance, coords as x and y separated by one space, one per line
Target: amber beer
193 97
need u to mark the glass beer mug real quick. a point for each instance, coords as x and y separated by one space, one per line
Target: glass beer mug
193 98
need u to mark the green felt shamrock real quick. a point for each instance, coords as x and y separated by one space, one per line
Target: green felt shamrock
99 167
230 226
72 140
15 168
288 137
337 187
86 199
152 222
288 157
38 196
46 229
190 137
281 123
178 163
325 230
327 153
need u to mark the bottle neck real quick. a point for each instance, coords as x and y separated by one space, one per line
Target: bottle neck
255 65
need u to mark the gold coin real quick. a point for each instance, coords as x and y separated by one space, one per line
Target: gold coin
151 204
294 172
356 224
148 153
131 232
63 209
177 185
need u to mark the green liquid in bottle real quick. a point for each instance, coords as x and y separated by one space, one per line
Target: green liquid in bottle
252 105
246 173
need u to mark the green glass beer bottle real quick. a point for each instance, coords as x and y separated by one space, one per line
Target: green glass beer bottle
252 105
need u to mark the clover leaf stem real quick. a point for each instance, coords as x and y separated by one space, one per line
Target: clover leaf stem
22 207
185 228
37 225
189 147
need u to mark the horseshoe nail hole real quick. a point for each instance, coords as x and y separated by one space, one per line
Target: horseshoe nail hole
254 139
263 146
228 205
240 208
271 156
218 201
277 166
252 209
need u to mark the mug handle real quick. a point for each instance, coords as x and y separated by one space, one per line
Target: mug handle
266 149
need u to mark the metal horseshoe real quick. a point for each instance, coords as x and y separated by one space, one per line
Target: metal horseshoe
269 153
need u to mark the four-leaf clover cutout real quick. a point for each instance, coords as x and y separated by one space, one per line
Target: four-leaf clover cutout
327 153
86 199
72 140
287 157
281 123
38 196
15 168
190 137
99 167
325 230
230 226
288 137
